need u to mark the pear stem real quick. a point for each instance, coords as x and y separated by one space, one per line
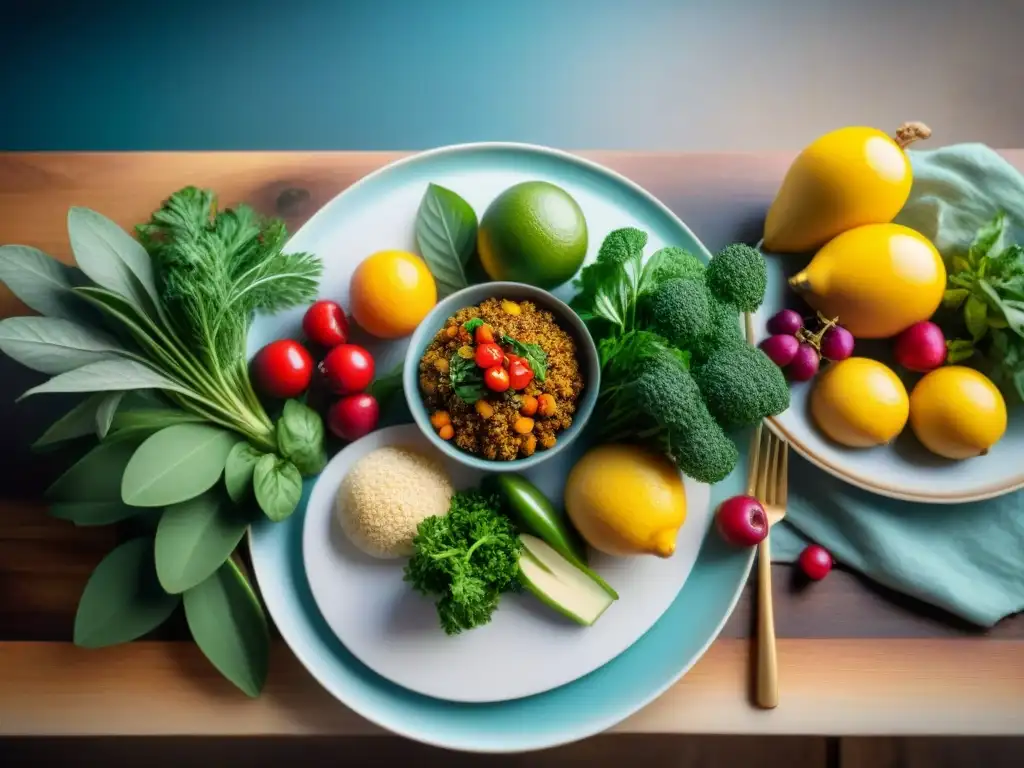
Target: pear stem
910 132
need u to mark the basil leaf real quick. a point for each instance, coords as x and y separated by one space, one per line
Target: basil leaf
300 437
176 464
230 628
54 345
87 513
41 282
277 485
385 387
122 599
194 538
954 297
112 258
961 265
96 476
107 375
466 379
472 324
986 239
534 354
78 422
105 413
238 470
958 350
976 317
446 235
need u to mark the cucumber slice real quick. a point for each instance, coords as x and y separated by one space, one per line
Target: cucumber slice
573 591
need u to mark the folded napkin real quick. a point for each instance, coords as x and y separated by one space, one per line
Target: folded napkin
966 558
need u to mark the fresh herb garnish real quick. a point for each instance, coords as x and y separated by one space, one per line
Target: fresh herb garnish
986 289
465 559
533 354
472 324
466 379
446 235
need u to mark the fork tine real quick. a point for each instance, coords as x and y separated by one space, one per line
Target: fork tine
755 454
771 494
764 468
783 478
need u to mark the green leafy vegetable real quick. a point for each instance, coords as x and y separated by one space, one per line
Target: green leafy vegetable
238 469
122 599
300 437
105 413
466 379
386 387
78 422
229 626
176 464
54 345
446 234
472 324
143 422
88 513
466 560
534 354
277 484
96 476
44 284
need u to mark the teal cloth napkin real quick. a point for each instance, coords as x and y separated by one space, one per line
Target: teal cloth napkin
967 558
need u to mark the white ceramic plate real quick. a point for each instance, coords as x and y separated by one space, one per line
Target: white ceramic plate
527 648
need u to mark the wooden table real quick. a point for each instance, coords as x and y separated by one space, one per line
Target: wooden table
854 658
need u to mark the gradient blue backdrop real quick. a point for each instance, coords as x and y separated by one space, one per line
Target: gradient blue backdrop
688 74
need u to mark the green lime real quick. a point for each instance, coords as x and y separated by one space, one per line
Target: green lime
535 233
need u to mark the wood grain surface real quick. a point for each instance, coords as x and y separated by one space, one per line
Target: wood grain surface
854 657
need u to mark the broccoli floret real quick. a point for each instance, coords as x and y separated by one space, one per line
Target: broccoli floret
738 275
741 386
622 245
705 452
680 310
669 263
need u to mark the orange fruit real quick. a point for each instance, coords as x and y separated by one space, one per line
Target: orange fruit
391 292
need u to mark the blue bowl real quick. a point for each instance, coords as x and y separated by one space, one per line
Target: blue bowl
586 353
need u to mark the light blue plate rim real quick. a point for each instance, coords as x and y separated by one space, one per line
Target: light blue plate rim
575 711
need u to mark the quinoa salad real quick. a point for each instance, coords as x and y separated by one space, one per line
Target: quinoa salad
501 380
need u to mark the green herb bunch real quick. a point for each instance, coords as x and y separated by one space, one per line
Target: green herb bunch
154 331
986 291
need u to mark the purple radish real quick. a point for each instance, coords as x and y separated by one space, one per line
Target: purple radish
780 348
804 364
837 343
785 321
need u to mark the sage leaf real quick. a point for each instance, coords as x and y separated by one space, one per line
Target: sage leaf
277 485
230 628
87 513
107 375
54 345
195 537
112 258
105 413
78 422
238 470
42 282
976 317
122 599
96 477
446 235
300 437
175 464
147 421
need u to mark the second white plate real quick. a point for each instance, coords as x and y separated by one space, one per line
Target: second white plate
527 648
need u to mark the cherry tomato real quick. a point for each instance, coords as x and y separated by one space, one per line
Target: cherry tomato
496 379
347 369
325 324
519 374
483 334
510 358
283 368
815 561
353 416
489 355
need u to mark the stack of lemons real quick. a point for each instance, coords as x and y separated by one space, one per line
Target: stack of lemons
839 198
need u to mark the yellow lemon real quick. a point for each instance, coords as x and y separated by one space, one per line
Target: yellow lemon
391 292
859 403
957 412
843 179
625 500
878 280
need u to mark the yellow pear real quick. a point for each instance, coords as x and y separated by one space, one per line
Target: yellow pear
878 279
846 178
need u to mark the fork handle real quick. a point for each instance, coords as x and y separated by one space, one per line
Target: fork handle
767 693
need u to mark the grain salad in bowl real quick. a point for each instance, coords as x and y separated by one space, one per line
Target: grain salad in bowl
501 379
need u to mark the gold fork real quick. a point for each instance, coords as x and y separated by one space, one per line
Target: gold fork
769 469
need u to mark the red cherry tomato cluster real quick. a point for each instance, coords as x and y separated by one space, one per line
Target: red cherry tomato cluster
502 369
284 369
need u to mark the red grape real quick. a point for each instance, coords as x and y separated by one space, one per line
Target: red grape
805 364
780 348
836 343
785 321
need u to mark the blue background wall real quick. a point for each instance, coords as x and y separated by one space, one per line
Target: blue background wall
686 74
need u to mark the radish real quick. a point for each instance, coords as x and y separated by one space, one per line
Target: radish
921 348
